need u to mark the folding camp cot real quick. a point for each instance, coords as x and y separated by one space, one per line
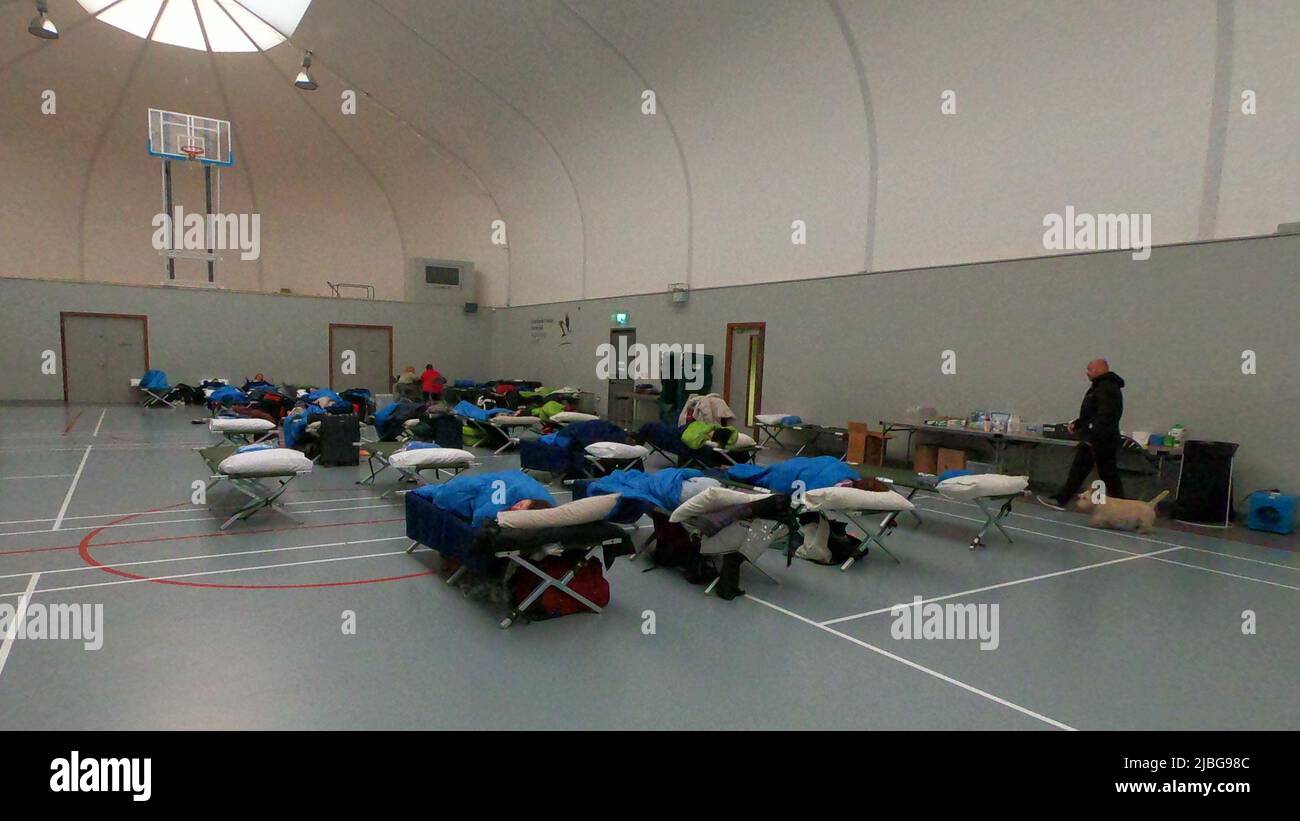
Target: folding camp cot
251 472
666 440
410 463
498 430
732 531
583 450
242 430
498 553
736 523
153 388
993 494
822 486
769 427
870 536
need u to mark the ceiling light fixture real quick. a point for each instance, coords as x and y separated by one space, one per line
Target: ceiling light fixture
304 80
41 25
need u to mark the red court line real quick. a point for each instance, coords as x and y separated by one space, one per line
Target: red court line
84 549
214 534
72 424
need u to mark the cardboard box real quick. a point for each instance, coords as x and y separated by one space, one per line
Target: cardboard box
926 459
950 459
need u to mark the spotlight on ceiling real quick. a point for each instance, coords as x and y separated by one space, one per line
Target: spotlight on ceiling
304 80
41 25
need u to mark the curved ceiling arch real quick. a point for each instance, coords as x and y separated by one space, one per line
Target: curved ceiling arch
577 197
672 130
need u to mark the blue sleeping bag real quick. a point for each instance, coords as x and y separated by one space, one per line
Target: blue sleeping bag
154 380
228 396
814 471
465 409
479 498
662 489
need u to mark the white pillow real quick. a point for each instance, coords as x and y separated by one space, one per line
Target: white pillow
616 450
852 498
270 462
577 512
714 498
743 440
569 417
982 484
430 458
239 424
515 421
771 418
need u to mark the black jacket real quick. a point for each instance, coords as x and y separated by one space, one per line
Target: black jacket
1101 409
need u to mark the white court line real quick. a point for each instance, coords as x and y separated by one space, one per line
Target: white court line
41 476
83 567
194 519
1119 550
1138 537
929 672
188 509
100 422
998 586
1223 573
20 615
211 573
72 488
132 446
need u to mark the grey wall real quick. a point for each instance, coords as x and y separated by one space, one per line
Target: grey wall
867 347
196 333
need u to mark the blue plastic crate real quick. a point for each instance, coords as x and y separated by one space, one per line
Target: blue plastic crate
1272 512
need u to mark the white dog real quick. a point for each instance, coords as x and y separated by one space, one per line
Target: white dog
1120 514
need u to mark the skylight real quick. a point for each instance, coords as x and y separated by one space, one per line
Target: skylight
204 25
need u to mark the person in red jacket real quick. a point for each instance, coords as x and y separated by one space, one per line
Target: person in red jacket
431 381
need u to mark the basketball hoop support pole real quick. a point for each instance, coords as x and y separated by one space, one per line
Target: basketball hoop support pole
207 222
211 182
167 209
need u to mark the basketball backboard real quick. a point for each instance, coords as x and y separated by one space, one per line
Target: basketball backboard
177 136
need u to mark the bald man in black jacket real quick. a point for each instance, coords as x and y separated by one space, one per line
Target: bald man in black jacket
1098 428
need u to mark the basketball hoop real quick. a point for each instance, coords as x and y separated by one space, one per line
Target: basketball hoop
192 152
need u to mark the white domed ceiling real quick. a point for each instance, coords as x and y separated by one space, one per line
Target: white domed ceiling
204 25
533 117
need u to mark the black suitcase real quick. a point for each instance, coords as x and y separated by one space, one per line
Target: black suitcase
339 434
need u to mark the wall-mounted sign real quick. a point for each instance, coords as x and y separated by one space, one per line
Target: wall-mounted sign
618 318
538 328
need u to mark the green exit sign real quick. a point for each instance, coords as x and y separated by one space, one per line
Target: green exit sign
618 319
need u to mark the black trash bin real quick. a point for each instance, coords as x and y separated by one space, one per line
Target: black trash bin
1205 483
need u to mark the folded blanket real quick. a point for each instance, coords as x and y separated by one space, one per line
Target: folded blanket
481 497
